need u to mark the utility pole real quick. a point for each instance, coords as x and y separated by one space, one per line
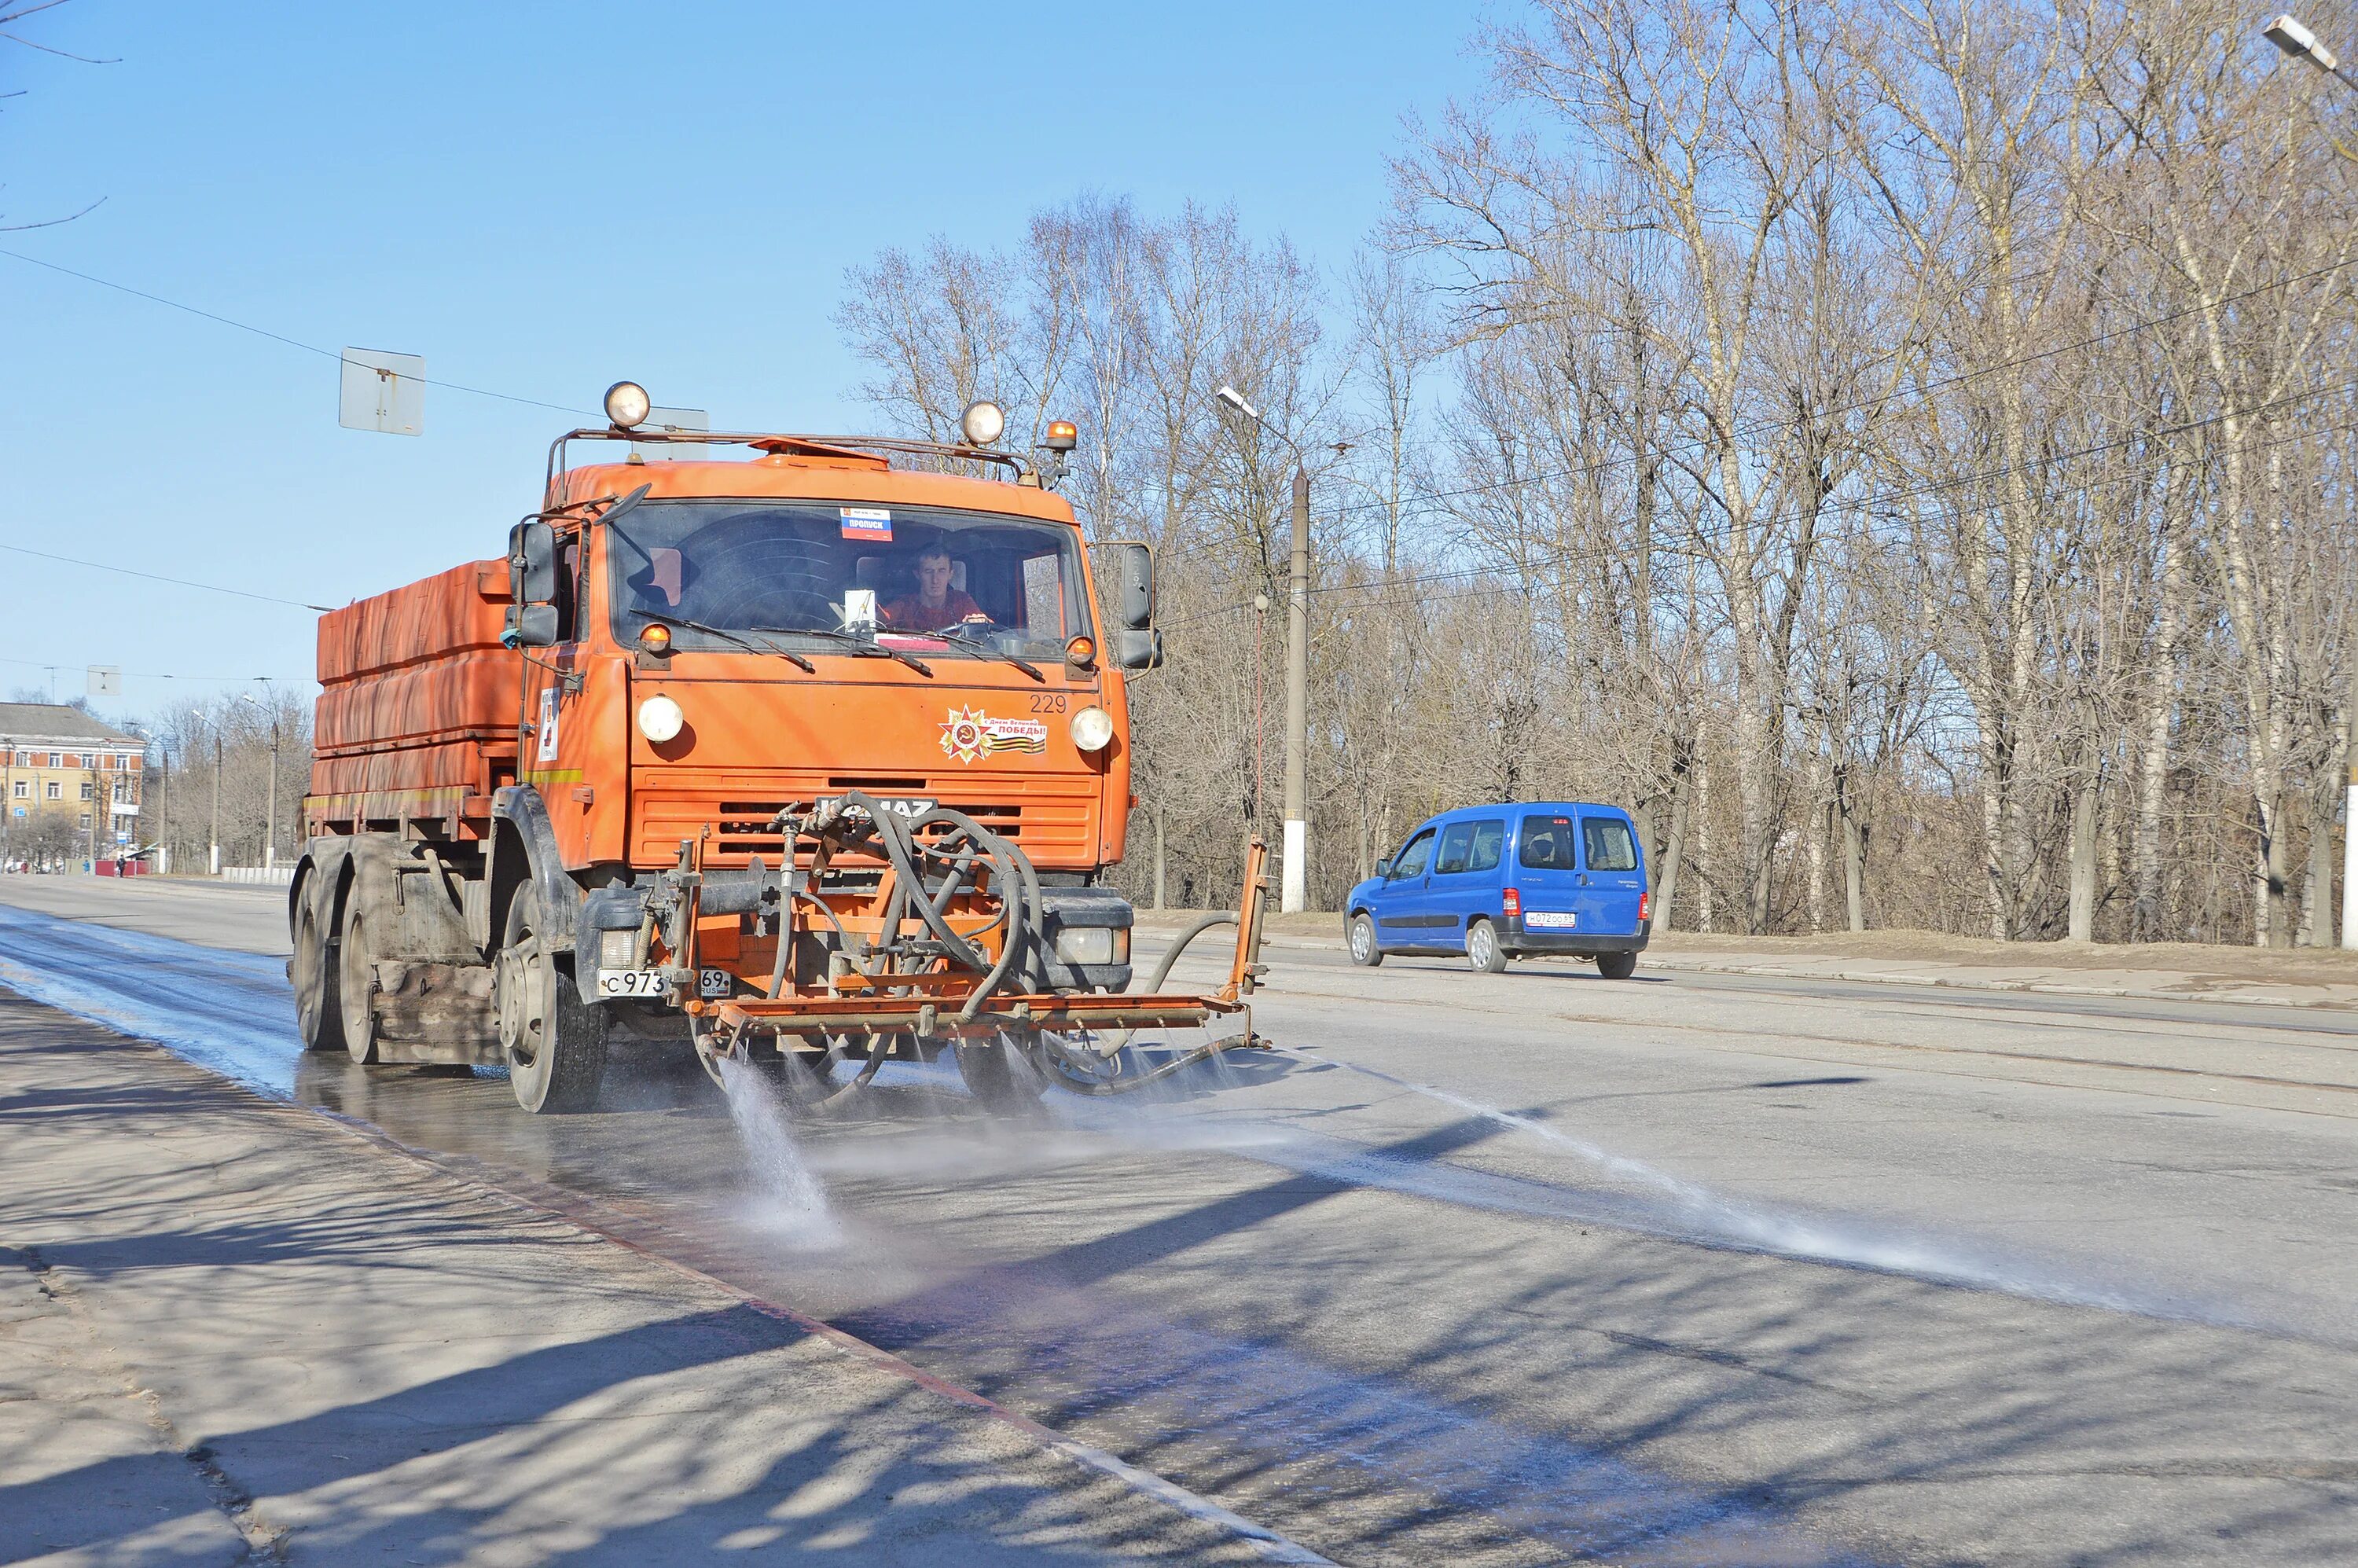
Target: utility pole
212 861
1293 892
270 805
2350 804
2297 42
1294 882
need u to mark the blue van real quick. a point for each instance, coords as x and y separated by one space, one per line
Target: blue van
1492 882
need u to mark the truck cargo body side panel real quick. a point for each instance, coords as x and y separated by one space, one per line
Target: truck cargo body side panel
418 696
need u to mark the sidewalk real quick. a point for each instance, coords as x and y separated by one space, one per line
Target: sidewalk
233 1330
2176 971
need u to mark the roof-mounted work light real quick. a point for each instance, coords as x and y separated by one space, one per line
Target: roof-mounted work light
627 404
983 423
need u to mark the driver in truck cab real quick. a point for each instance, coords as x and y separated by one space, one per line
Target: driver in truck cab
935 606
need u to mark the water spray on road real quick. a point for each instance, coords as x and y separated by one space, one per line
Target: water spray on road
792 1203
1703 1215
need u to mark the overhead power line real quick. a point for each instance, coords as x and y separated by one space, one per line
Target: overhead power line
279 337
158 576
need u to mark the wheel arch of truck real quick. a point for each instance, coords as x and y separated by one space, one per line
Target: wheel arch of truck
524 844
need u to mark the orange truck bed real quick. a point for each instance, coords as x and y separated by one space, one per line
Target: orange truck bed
419 705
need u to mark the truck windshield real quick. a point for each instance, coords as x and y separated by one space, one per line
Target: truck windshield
1001 584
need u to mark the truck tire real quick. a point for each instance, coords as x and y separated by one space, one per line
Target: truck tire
1482 950
997 1079
1363 950
319 1018
1616 966
356 981
554 1044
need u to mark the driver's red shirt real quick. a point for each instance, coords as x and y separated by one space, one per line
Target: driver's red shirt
910 615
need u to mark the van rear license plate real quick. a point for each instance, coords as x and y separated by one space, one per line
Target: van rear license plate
1548 920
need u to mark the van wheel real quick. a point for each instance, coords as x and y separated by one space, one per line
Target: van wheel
1616 966
1364 951
317 1018
356 982
1482 950
554 1043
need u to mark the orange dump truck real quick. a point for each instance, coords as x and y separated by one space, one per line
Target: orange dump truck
812 759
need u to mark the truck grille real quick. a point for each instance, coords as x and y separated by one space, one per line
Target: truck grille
1052 820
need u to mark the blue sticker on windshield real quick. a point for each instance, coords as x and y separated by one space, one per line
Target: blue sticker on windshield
872 523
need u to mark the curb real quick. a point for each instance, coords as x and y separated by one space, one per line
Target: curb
1676 962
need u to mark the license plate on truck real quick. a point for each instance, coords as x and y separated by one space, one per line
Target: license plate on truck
652 984
1548 920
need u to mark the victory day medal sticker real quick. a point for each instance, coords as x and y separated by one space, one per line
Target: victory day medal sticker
969 733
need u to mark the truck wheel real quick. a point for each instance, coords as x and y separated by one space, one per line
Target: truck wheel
1482 950
1364 951
1616 966
554 1044
997 1079
317 1018
356 982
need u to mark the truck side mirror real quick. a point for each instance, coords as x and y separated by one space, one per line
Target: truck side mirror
532 564
1135 645
530 626
1138 650
1134 587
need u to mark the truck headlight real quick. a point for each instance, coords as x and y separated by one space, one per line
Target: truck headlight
1093 945
618 949
660 719
1092 728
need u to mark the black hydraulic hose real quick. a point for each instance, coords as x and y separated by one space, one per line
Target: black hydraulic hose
1163 969
1019 913
1076 1077
894 836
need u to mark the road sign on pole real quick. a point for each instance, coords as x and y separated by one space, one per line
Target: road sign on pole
384 392
105 680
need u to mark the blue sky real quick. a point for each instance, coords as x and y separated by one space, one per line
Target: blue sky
541 199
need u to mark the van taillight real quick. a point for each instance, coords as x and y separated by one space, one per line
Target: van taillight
1514 904
1644 904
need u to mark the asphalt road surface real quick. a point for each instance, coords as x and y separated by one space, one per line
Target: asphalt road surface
1529 1268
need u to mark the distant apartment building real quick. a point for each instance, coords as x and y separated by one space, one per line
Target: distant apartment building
59 759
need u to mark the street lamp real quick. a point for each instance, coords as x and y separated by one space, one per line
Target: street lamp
270 806
2297 41
1292 897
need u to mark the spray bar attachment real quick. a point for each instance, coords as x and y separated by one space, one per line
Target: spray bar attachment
952 946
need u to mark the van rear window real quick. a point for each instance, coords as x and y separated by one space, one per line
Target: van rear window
1609 846
1547 844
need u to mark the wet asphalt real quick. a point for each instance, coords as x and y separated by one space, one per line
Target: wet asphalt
1692 1268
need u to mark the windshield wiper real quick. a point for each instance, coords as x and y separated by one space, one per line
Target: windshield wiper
741 641
968 640
865 647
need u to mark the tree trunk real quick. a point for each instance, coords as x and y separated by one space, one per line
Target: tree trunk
1854 868
2083 926
1673 850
